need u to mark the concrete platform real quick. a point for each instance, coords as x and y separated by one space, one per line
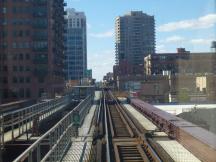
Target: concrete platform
81 146
175 150
147 124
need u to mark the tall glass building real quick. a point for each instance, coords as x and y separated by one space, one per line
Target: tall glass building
76 53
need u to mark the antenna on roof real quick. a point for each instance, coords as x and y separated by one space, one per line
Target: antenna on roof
213 45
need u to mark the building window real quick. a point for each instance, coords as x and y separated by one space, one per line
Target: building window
5 80
14 57
28 79
5 68
4 10
14 45
28 93
15 80
21 80
27 68
21 68
5 93
20 56
27 56
14 68
14 33
41 91
41 80
21 92
27 33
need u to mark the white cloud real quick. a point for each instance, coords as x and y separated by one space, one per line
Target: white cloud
101 62
174 39
206 21
89 26
160 48
201 41
106 34
193 44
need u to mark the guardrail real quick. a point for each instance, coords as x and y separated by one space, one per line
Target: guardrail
58 138
15 123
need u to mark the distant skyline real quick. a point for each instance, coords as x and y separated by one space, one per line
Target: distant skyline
185 23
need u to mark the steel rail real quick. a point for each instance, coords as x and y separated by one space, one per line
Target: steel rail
59 137
99 111
139 143
106 131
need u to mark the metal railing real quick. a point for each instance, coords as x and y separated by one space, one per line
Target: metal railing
57 139
106 130
15 123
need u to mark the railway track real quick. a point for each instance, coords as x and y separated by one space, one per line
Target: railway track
125 142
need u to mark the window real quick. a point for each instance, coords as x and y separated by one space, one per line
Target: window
41 91
5 80
21 80
27 56
27 68
5 68
4 10
14 45
21 68
20 56
14 68
28 93
41 80
28 79
21 93
15 80
14 56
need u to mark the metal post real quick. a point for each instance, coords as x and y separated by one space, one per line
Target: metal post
35 127
1 137
19 117
38 153
12 127
1 131
26 125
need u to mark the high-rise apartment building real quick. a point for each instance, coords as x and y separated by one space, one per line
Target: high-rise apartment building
76 54
135 38
31 48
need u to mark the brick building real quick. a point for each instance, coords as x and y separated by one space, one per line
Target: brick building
182 62
31 48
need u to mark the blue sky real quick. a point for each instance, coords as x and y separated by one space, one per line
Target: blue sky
179 23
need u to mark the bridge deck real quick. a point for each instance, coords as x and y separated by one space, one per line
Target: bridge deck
81 146
8 135
27 126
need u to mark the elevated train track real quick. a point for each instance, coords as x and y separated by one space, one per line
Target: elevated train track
126 142
122 133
